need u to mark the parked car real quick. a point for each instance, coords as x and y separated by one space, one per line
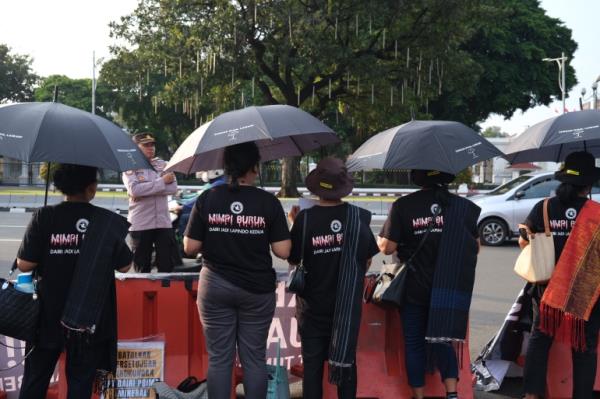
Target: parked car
503 208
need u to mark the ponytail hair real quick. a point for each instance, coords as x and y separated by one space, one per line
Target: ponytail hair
238 160
567 192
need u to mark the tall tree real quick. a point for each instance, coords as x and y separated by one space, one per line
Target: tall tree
342 58
360 66
73 92
504 53
16 77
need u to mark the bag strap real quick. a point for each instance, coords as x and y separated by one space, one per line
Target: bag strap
429 228
22 360
546 219
303 237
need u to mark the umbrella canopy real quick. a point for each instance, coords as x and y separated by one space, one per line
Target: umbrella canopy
438 145
54 132
555 138
279 131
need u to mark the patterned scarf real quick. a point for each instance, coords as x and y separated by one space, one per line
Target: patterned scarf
574 287
454 274
348 302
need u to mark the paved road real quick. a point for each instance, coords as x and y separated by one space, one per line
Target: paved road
495 289
118 201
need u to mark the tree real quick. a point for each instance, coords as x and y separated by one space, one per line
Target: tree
344 60
503 63
16 78
357 68
494 131
76 93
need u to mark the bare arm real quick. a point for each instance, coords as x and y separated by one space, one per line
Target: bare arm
25 265
386 246
125 268
191 247
282 249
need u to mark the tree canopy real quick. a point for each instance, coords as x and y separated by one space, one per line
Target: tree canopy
360 66
16 77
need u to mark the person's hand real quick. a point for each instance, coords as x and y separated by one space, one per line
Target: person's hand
168 178
293 213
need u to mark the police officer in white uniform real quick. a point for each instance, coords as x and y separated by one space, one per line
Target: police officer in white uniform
151 227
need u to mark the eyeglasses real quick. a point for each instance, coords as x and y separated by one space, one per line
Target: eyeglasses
152 144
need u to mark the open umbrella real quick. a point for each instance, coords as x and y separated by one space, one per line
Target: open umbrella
278 130
555 138
54 132
438 145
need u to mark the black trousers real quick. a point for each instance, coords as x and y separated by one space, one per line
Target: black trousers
315 351
143 242
81 368
584 363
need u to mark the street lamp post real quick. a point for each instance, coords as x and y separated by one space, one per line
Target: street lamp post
561 75
594 95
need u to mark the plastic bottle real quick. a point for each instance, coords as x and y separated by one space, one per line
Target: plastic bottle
25 283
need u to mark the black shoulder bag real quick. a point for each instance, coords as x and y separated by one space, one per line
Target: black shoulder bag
20 314
20 311
395 292
297 277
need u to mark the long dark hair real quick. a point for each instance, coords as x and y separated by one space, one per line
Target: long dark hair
567 192
238 160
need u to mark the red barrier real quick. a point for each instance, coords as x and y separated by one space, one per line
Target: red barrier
380 361
559 380
167 306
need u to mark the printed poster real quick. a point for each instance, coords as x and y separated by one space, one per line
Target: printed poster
139 365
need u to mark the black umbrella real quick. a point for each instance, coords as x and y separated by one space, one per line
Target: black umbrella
54 132
438 145
555 138
278 130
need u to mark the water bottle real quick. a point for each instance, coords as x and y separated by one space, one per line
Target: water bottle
25 283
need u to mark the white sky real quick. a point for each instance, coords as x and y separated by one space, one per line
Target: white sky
61 35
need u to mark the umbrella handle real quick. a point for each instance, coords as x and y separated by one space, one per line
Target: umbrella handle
47 183
260 179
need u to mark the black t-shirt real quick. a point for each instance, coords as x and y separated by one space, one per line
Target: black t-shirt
322 250
561 218
236 228
53 240
407 221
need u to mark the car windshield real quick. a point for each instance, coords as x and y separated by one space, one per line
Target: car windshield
503 189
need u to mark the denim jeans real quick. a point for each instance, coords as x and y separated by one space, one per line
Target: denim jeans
584 363
414 325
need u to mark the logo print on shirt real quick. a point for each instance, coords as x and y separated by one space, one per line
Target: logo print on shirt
571 213
336 226
237 207
82 225
435 208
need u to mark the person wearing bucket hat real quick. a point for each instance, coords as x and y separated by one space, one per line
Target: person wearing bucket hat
428 327
332 239
567 210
